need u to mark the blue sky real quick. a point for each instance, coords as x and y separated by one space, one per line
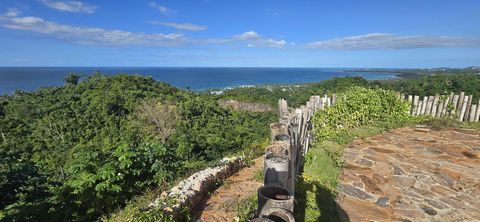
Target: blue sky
243 33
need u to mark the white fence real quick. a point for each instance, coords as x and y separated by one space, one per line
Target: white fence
460 107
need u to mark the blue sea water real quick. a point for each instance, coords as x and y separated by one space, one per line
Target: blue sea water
32 78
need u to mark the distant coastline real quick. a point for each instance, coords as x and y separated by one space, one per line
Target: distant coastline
197 79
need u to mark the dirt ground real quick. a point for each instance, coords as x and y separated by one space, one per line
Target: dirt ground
220 206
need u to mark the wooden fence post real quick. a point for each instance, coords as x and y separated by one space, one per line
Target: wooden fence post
461 99
424 105
415 105
434 106
477 114
469 106
464 107
454 105
472 113
419 108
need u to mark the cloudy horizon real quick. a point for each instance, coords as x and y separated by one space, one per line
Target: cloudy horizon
171 31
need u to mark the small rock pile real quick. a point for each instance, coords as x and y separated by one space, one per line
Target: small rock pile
189 192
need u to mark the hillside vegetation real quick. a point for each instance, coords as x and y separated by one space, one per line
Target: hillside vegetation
76 152
297 95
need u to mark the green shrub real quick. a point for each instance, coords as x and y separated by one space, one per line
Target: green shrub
359 106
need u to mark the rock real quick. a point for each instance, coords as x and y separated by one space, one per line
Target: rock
436 204
428 210
403 181
354 192
383 202
364 162
398 171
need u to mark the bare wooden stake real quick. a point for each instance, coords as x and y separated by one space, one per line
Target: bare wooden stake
472 113
469 106
454 105
477 114
445 105
440 109
419 108
429 105
434 106
415 105
461 99
464 107
424 105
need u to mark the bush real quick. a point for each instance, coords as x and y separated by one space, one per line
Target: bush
359 106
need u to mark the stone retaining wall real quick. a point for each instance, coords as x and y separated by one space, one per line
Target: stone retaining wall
190 192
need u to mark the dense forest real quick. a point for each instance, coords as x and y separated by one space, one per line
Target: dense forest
76 152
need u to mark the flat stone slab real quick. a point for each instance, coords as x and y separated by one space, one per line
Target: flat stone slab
412 174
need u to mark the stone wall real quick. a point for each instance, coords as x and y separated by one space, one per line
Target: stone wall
190 192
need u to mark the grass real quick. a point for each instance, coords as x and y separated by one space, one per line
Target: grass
246 208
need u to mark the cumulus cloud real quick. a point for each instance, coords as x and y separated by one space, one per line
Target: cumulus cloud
254 40
390 41
182 26
12 12
250 35
162 9
110 37
87 35
70 6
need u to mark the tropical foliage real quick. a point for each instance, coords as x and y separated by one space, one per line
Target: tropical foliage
76 152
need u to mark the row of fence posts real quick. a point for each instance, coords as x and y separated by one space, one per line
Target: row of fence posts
290 140
460 107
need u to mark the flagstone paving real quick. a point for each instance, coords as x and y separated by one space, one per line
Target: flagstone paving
413 174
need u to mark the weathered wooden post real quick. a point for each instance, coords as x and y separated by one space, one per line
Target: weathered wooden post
282 107
419 108
477 114
424 105
454 105
415 105
461 100
472 113
469 106
445 105
463 109
434 106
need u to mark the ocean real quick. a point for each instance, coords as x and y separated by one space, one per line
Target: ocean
32 78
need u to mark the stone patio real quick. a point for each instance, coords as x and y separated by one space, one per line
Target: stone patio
413 174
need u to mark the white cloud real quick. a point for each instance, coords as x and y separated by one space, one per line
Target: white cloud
89 35
70 6
254 40
182 26
247 36
390 41
12 12
162 9
105 37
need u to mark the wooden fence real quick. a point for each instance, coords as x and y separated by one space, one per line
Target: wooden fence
460 107
290 138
